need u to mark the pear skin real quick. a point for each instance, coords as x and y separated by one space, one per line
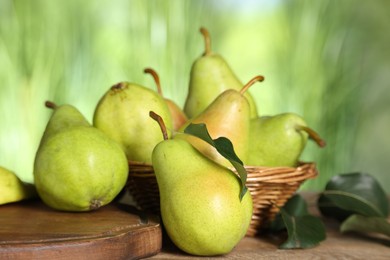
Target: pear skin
279 140
227 116
199 200
62 117
123 114
210 76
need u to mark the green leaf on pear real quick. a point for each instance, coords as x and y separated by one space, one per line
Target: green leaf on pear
363 224
225 147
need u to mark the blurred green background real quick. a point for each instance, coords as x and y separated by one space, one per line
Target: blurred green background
326 60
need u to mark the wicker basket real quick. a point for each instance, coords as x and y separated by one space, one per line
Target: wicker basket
270 188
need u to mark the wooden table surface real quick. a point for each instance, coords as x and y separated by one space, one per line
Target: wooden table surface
336 246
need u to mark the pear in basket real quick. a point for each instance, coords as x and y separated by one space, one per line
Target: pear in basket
177 114
199 199
210 76
227 116
123 114
279 140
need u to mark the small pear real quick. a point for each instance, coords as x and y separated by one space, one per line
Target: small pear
210 76
199 199
13 189
177 114
227 116
123 114
77 167
279 140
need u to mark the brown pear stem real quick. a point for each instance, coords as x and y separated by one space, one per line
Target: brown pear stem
156 79
250 83
50 104
160 121
312 135
207 41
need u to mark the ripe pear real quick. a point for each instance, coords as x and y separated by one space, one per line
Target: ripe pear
227 116
279 140
199 200
13 189
177 114
210 76
123 114
77 167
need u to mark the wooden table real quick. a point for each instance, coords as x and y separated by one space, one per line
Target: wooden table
122 233
336 246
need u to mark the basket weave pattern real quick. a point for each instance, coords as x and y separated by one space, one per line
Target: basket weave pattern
270 188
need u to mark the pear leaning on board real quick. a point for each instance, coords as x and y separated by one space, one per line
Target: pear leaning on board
210 76
199 199
12 189
77 167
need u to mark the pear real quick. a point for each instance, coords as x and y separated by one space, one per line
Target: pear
199 199
14 189
227 116
77 167
177 114
210 76
123 114
67 116
279 140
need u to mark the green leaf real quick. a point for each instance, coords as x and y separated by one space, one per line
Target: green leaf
351 193
225 147
364 224
295 206
303 231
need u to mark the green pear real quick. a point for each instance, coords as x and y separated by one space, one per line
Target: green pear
227 116
77 167
279 140
123 114
199 200
177 114
67 116
14 189
210 76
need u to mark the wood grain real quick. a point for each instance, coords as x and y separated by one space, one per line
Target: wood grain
31 230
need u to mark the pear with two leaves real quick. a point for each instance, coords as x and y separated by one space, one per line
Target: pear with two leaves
177 114
210 76
279 140
123 114
227 116
13 189
199 199
77 167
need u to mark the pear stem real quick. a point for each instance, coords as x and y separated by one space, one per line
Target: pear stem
156 79
160 121
312 135
50 104
207 41
250 83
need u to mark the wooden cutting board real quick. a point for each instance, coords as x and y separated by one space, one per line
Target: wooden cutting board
31 230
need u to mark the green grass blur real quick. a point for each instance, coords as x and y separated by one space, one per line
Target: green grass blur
326 60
